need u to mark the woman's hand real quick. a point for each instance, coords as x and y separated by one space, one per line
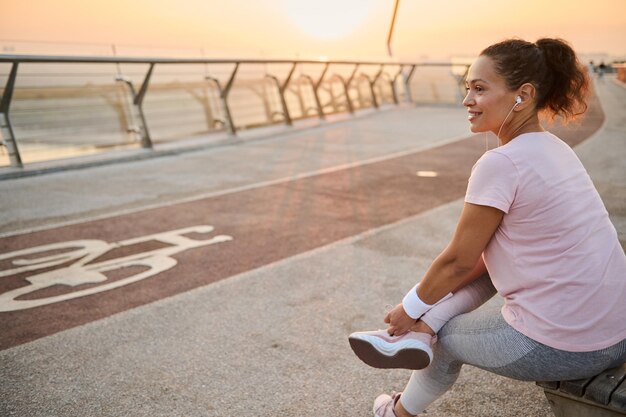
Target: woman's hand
399 322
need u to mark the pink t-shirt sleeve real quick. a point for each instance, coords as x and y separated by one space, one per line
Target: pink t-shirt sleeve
493 182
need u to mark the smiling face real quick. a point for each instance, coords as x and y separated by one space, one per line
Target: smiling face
488 98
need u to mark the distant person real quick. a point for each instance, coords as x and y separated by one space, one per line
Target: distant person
533 229
601 70
591 67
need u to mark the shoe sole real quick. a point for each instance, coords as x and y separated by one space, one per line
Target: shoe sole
408 358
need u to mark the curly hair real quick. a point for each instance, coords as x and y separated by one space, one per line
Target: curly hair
551 66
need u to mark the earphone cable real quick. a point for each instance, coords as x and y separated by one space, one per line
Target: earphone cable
504 121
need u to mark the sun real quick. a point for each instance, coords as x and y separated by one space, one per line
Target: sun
328 19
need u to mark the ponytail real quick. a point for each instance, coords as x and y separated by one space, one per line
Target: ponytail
551 66
567 91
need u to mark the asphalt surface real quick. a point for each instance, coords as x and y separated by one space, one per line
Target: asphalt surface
224 282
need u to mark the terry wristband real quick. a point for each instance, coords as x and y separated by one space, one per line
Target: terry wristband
414 306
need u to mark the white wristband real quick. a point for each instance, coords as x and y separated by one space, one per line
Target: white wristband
414 306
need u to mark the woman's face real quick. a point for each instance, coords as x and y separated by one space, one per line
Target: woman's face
488 99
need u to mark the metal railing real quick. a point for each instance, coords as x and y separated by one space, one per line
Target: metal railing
292 89
620 69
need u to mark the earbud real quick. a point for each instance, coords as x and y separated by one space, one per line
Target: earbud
518 100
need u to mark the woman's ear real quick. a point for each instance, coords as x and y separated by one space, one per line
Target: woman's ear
527 92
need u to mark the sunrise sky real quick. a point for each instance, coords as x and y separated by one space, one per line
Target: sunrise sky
348 29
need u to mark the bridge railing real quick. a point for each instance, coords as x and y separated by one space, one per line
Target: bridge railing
58 106
620 69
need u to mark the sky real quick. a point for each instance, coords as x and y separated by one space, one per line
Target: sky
335 29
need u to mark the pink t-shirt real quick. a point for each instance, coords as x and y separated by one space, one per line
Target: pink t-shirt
555 258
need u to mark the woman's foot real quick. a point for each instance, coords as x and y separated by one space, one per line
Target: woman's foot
390 406
384 405
377 349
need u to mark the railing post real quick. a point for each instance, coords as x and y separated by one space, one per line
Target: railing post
283 88
348 82
146 141
373 92
224 95
393 85
407 84
138 97
316 87
8 137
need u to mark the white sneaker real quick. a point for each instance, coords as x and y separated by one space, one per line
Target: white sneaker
379 350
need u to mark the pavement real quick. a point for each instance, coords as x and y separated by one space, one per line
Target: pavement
224 281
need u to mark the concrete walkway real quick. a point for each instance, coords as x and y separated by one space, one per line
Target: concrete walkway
271 341
250 162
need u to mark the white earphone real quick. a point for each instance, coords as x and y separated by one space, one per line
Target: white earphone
518 100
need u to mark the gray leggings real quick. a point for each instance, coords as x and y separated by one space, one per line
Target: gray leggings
483 338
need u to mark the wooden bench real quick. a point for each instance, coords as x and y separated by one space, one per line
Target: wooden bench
603 395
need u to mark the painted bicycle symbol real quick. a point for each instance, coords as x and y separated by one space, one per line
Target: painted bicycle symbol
82 271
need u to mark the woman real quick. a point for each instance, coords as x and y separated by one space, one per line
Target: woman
533 220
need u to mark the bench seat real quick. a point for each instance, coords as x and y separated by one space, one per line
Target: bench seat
603 395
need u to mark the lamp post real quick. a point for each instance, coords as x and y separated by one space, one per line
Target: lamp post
393 21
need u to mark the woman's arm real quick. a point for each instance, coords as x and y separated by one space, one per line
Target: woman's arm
459 264
461 261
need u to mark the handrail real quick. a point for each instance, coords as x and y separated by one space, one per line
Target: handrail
621 71
135 60
8 138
